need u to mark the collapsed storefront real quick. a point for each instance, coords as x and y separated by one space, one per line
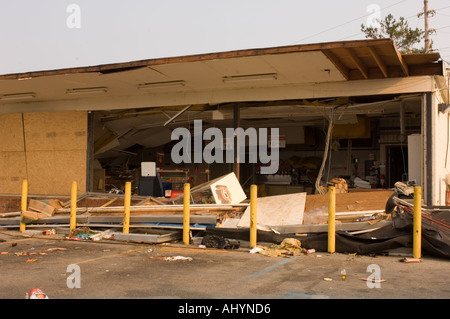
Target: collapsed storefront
357 110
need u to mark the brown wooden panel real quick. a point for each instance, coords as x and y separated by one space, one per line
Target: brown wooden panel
55 131
11 132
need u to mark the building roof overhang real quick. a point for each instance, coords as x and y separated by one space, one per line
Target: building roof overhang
277 73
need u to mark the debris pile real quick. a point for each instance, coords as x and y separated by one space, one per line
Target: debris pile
220 216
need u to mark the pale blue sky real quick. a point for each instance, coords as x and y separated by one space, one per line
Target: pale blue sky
35 36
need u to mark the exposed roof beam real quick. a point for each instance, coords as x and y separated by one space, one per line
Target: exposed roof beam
124 66
178 114
337 63
359 64
402 63
379 61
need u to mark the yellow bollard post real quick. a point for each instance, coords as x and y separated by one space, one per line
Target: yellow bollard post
73 207
417 223
126 208
23 205
186 213
253 229
331 219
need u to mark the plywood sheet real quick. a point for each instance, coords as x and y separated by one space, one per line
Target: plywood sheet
11 132
355 200
52 172
12 172
55 131
277 210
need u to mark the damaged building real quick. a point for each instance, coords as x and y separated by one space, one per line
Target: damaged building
358 115
355 110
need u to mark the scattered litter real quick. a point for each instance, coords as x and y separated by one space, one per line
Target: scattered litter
31 260
13 244
150 250
288 247
21 254
343 274
373 280
49 232
103 235
219 242
310 251
36 294
256 250
84 236
4 253
201 246
176 258
411 260
42 254
56 248
327 279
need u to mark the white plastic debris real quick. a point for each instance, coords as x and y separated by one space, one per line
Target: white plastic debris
175 258
255 250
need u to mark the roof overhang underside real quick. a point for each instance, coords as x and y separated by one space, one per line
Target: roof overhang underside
313 71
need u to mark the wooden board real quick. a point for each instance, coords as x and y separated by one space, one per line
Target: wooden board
11 132
47 148
52 172
55 131
277 210
12 172
353 201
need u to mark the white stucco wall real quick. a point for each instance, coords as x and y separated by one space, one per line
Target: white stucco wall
441 150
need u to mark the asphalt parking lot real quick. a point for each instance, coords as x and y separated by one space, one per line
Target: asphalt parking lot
67 269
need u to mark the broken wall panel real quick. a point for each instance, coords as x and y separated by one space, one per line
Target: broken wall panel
12 172
56 145
12 155
52 172
52 131
11 131
49 149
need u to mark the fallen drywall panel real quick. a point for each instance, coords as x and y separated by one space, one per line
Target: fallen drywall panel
277 210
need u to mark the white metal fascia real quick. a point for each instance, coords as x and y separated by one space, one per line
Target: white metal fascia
274 93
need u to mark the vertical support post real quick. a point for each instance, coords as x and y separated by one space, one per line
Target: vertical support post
73 207
236 124
331 219
417 223
24 201
253 230
126 206
186 213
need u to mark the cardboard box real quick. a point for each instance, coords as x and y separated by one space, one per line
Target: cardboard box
223 190
47 207
29 216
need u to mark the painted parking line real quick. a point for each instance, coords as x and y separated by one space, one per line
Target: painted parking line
109 256
270 268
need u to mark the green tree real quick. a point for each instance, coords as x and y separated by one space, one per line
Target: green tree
399 31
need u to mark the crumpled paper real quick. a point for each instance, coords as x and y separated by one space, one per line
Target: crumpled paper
288 247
